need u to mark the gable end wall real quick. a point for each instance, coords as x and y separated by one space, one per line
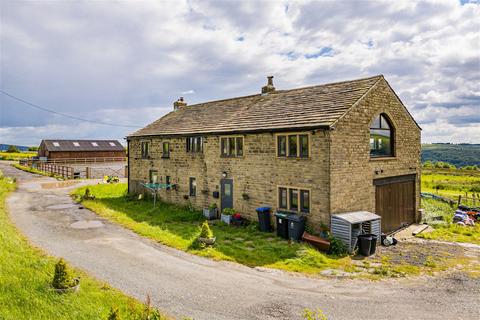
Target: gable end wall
352 171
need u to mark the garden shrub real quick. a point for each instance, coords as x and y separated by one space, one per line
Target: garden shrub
206 231
337 247
88 195
63 277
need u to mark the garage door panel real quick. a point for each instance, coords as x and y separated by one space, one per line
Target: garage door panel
395 203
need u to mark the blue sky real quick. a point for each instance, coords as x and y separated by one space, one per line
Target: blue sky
125 62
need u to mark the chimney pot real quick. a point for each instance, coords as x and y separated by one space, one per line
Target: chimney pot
269 87
179 104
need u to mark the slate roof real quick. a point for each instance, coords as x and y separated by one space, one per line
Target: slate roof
309 107
83 145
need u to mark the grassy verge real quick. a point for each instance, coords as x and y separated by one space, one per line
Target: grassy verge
11 156
26 274
33 170
179 227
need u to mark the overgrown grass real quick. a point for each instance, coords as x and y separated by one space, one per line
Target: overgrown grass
26 274
179 228
33 170
439 215
12 156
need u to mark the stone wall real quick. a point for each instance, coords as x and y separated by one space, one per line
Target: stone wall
340 177
352 171
257 174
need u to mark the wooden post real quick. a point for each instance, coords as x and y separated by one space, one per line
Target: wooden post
459 200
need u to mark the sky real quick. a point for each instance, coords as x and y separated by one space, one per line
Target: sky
126 62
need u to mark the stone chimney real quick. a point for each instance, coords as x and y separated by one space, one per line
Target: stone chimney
179 104
269 87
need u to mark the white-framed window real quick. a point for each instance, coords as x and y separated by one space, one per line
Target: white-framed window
112 144
56 144
76 144
94 144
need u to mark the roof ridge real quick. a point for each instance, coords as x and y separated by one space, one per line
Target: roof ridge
76 140
285 90
318 101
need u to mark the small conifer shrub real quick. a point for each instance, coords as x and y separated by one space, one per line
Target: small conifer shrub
206 232
114 314
63 278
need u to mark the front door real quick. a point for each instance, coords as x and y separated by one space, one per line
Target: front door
226 193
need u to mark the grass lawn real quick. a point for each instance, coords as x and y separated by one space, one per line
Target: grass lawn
26 274
179 228
16 155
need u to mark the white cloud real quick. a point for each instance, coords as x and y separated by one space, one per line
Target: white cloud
127 62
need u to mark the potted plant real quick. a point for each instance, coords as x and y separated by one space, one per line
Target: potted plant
63 280
210 212
206 235
324 231
227 215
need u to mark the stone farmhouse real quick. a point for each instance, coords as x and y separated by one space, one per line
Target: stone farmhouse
319 150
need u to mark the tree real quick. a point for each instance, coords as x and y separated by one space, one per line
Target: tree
32 148
12 149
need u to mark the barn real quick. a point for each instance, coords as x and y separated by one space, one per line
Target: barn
75 150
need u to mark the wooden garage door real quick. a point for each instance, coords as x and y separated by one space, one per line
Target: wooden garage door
395 201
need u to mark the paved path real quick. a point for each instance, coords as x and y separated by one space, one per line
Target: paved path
185 285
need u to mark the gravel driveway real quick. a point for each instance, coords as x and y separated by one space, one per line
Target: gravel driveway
189 286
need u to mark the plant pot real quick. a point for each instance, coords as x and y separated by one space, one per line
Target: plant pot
210 214
226 218
75 288
207 241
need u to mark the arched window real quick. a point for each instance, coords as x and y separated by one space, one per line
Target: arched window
381 137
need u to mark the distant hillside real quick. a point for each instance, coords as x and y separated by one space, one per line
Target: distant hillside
457 154
4 147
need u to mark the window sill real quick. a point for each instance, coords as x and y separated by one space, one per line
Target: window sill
230 157
294 158
165 157
382 158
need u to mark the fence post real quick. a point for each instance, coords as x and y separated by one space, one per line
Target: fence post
459 200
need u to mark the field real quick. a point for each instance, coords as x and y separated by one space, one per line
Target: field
13 156
459 155
26 274
450 183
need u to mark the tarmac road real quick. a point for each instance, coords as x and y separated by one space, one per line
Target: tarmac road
184 285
